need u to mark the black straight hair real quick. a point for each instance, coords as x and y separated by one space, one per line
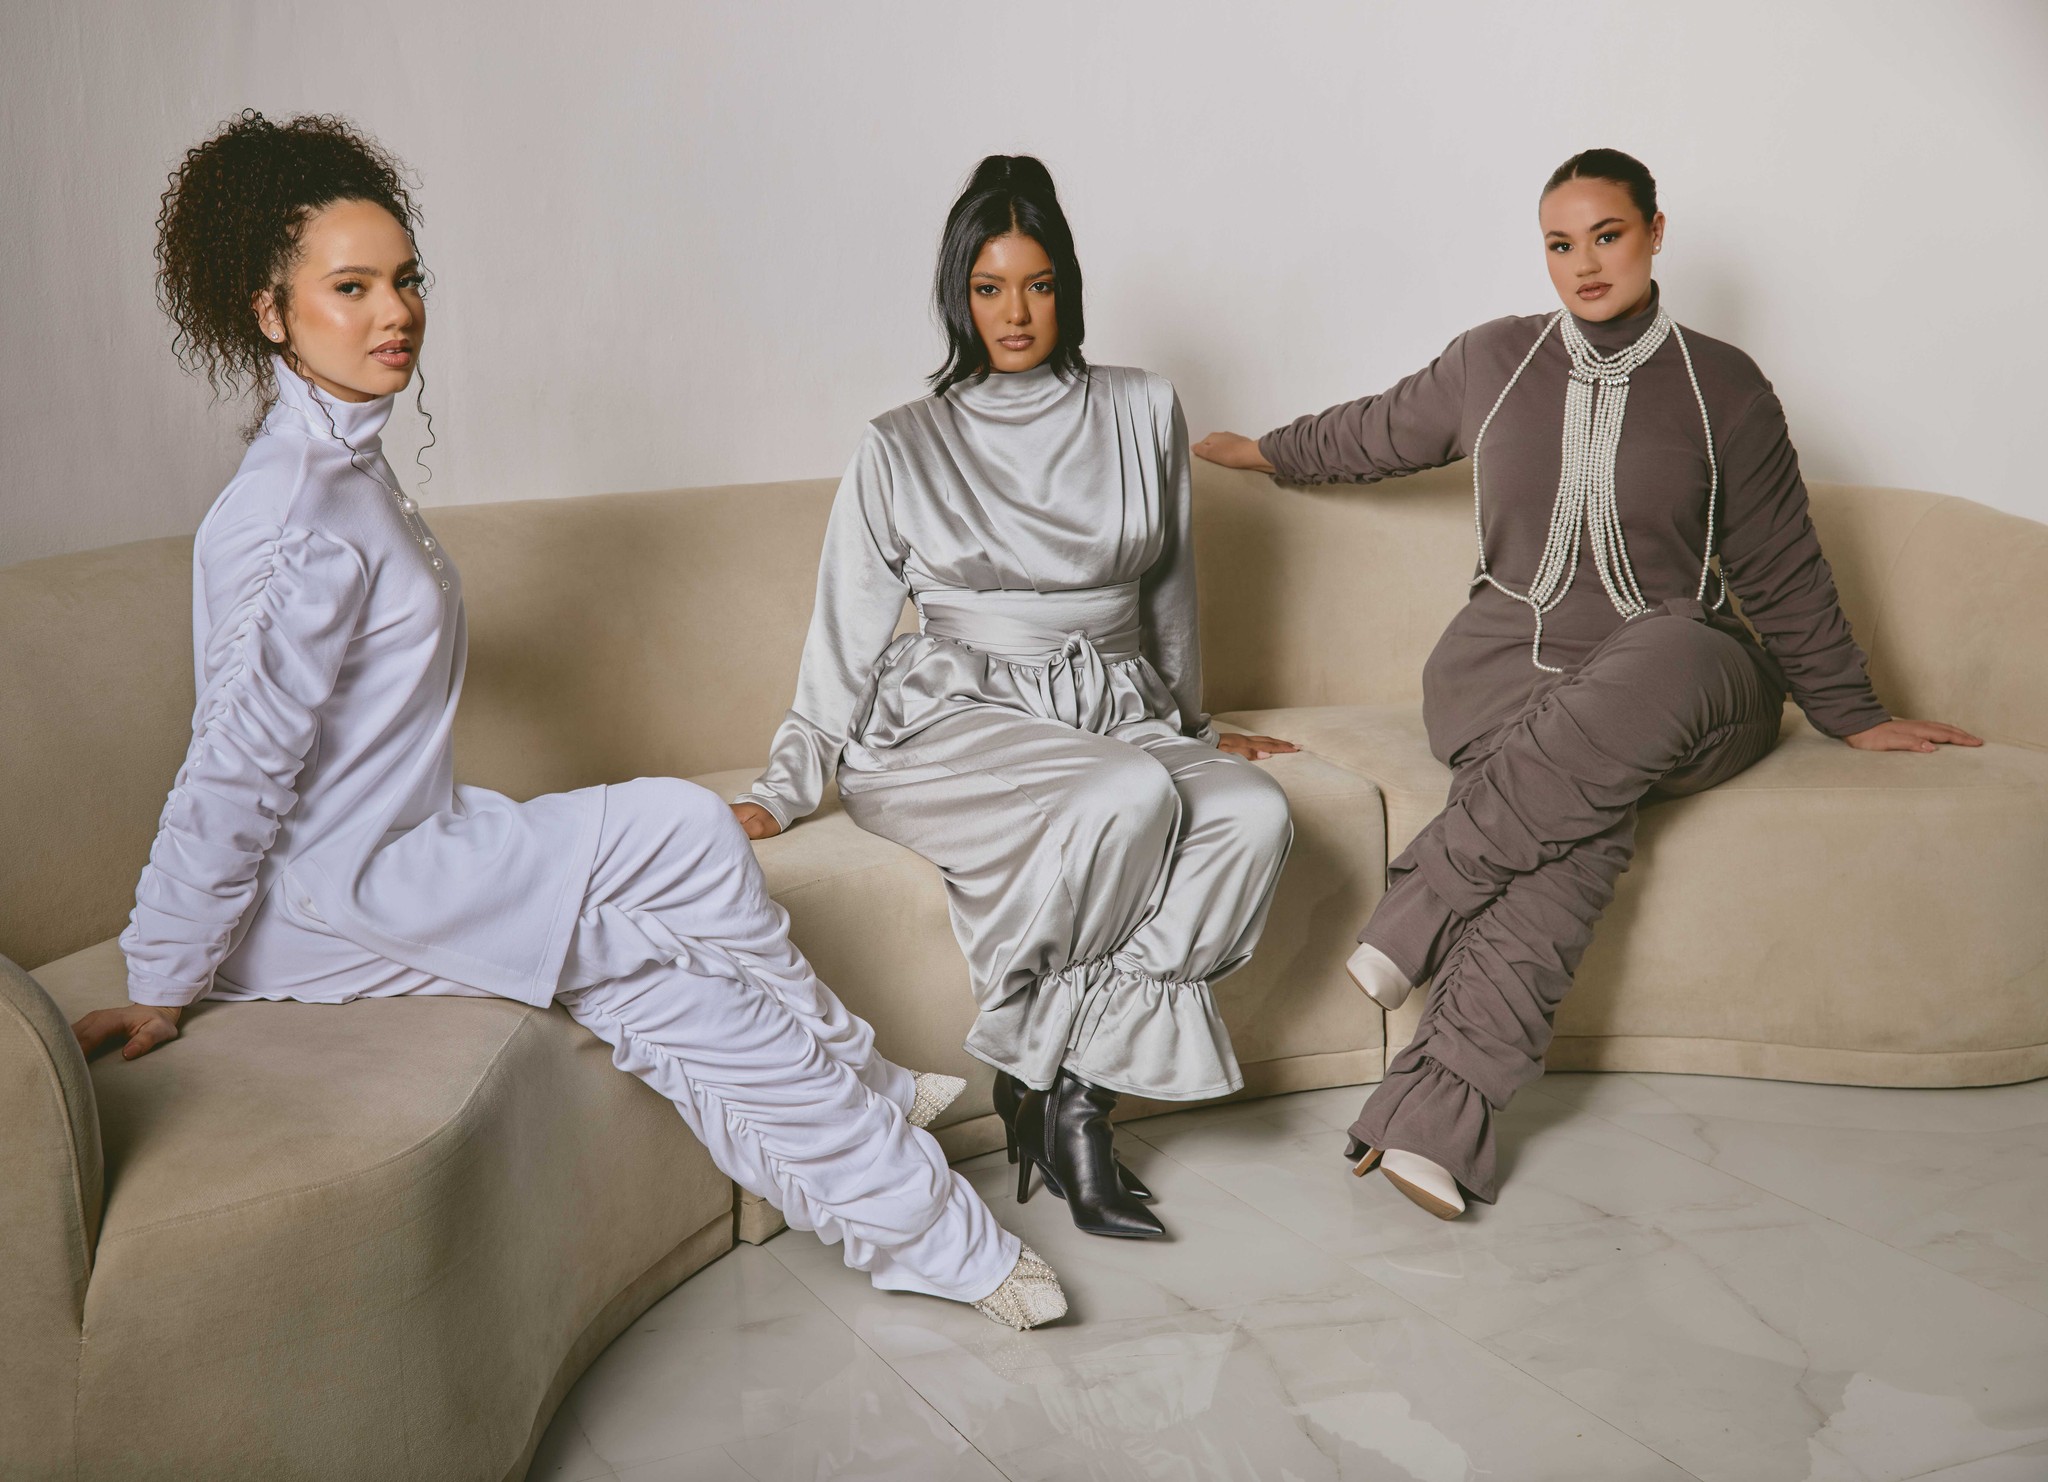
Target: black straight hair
1008 193
1612 165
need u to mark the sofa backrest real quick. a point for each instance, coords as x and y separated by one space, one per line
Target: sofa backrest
614 636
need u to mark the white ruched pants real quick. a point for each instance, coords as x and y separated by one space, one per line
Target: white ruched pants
682 963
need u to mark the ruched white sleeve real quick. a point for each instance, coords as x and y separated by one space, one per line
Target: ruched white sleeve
1166 596
860 597
272 661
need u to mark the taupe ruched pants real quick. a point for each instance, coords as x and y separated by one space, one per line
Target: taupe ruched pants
1496 899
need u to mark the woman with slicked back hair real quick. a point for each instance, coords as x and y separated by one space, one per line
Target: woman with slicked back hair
315 845
1598 659
1041 739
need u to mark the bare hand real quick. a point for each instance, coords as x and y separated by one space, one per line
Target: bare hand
1255 748
1232 451
756 820
1911 735
144 1027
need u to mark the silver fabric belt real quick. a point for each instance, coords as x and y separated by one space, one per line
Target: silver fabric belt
1038 628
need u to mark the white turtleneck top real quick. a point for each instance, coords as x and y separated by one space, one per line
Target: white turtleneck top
328 647
1012 488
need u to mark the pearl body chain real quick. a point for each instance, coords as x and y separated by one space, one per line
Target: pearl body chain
1595 401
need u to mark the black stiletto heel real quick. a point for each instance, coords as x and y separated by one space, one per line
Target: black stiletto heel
1065 1133
1008 1092
1007 1095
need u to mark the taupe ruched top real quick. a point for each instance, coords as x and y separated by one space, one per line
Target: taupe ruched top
1481 670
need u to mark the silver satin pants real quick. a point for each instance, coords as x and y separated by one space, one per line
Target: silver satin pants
682 963
1099 883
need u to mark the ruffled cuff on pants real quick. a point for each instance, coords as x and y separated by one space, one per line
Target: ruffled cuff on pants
1115 1027
1422 1107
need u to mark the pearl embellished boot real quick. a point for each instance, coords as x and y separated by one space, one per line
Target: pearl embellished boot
934 1094
1374 971
1029 1296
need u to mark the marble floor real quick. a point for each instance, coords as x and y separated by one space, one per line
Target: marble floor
1685 1277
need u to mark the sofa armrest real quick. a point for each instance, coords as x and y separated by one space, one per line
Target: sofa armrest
51 1182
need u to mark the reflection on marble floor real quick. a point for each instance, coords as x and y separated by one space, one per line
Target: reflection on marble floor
1685 1276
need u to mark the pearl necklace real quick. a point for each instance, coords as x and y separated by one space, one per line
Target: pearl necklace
1595 401
409 511
408 514
408 507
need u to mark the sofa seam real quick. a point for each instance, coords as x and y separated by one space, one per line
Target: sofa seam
451 1131
1779 1044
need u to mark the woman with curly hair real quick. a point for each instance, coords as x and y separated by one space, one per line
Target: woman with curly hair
315 846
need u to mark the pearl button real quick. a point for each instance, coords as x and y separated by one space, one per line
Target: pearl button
438 563
444 586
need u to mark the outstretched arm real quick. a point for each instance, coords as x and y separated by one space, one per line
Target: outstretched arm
289 599
1233 450
1772 558
1417 424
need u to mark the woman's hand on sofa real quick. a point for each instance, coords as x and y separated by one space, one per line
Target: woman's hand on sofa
1256 748
756 820
1232 450
1911 735
144 1026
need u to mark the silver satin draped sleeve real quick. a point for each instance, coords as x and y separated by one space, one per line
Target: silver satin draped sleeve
860 597
1173 640
1041 738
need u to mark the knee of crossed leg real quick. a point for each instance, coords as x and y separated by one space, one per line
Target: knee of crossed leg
1674 663
1262 823
1126 800
693 812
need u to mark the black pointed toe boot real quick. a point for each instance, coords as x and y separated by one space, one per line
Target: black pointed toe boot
1065 1133
1009 1091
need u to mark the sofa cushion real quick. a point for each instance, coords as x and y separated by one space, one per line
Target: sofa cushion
1385 743
325 1200
1800 921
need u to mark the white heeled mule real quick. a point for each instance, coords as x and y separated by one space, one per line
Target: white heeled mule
1428 1185
1374 971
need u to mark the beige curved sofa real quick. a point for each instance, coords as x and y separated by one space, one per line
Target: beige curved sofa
381 1240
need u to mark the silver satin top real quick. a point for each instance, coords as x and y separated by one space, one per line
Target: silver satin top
1041 527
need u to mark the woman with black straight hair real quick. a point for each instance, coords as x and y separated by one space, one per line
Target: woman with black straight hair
1041 739
1008 201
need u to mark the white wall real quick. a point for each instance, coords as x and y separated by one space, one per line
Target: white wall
689 244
